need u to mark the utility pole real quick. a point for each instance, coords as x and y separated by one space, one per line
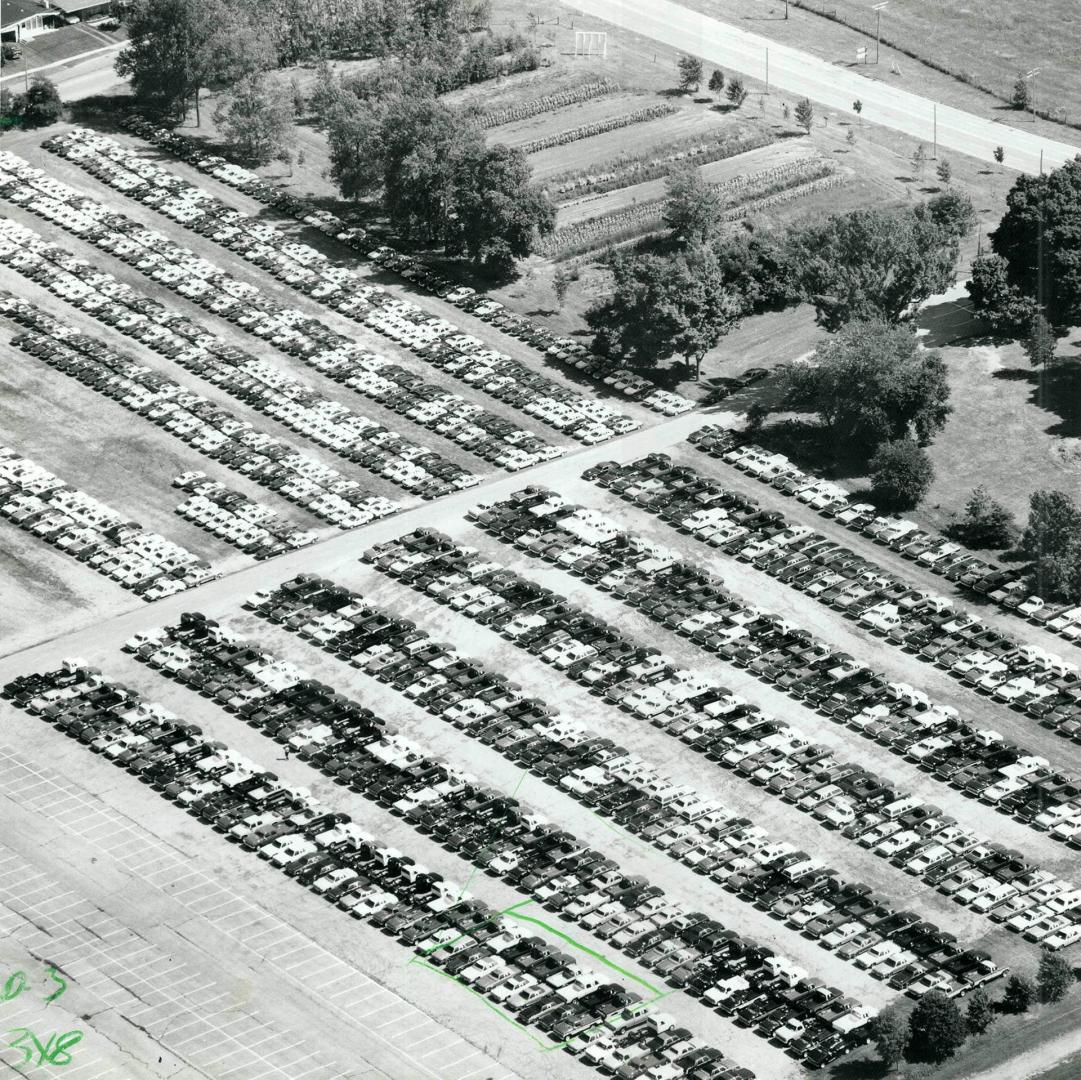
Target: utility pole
1032 96
767 67
934 139
878 26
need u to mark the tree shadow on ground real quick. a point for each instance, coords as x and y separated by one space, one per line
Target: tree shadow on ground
861 1068
813 448
1056 390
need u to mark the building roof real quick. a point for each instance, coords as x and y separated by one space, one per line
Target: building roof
13 12
73 7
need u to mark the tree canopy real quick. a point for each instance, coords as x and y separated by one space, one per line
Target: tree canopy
662 307
901 474
870 264
870 383
1052 540
693 208
438 179
936 1028
1054 977
40 105
1039 236
986 522
256 118
997 301
889 1032
179 47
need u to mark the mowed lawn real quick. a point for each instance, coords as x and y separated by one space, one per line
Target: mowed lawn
1000 434
987 42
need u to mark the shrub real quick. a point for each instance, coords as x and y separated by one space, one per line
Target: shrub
901 472
1054 977
547 103
986 524
599 127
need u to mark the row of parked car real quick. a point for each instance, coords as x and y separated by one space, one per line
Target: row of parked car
698 710
566 350
548 863
193 418
337 287
492 709
1024 677
328 422
347 866
86 529
1001 585
257 529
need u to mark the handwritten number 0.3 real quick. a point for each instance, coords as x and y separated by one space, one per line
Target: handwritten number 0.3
55 1052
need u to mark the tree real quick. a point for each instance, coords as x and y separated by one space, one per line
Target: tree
1054 977
850 138
889 1032
919 160
693 208
495 212
857 108
954 212
7 105
757 267
999 154
716 81
872 383
805 114
936 1028
179 47
1039 236
979 1015
257 120
987 523
736 92
874 263
690 73
1052 541
1022 93
1041 343
995 299
40 105
661 307
944 172
901 474
1020 994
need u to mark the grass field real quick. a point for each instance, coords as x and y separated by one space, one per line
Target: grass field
987 43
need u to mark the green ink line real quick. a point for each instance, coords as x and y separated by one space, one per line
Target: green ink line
585 948
476 869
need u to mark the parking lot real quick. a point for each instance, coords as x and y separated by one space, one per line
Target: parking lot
376 597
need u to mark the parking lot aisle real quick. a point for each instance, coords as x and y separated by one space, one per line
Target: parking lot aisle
847 744
783 820
360 1005
909 570
296 955
392 283
338 551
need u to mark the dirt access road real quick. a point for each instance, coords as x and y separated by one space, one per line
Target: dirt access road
798 72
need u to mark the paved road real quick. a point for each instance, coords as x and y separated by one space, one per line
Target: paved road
800 73
81 79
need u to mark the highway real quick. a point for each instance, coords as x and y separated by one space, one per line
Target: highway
799 73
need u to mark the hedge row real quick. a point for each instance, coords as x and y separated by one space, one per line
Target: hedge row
599 127
548 103
758 188
629 169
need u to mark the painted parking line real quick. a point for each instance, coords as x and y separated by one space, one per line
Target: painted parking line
306 962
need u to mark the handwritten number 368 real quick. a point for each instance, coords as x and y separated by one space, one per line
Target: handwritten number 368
54 1052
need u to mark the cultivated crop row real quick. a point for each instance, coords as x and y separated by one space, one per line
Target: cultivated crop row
310 271
598 127
410 268
547 103
742 195
630 169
